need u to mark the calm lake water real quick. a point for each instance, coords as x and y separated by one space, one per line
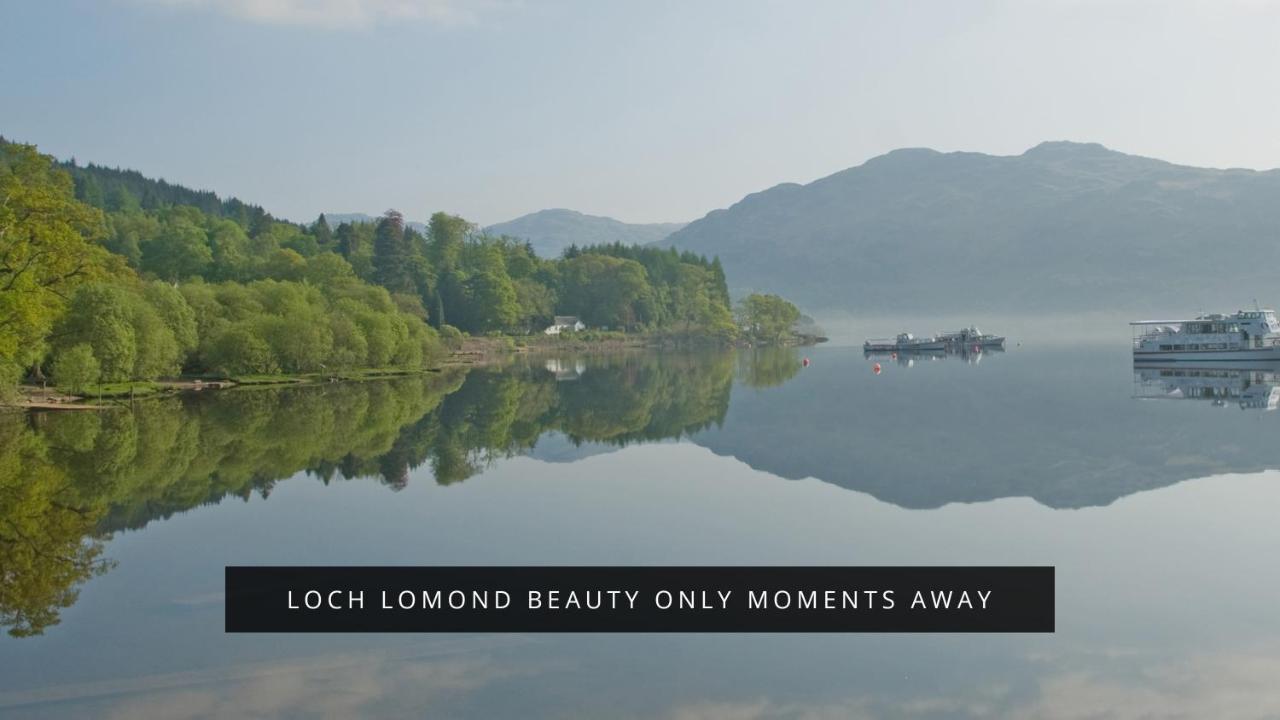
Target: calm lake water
1159 515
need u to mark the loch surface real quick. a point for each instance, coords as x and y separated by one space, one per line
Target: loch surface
1152 491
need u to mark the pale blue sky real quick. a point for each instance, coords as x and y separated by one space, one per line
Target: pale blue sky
645 111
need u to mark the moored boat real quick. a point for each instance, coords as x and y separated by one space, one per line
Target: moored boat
905 342
965 338
1246 335
971 337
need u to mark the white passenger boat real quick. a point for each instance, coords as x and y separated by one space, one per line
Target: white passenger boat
1252 335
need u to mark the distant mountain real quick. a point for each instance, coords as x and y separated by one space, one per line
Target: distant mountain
336 219
1061 226
551 231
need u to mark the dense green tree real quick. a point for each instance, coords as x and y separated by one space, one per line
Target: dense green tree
328 270
237 349
101 316
128 231
230 251
350 347
174 311
75 369
606 291
391 254
347 240
135 332
491 301
181 250
323 234
285 264
447 235
535 304
120 199
46 250
157 352
767 318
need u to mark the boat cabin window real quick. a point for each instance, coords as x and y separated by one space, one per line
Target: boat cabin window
1212 328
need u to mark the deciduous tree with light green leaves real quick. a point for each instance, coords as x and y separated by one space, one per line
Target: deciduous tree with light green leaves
76 369
766 318
101 317
46 249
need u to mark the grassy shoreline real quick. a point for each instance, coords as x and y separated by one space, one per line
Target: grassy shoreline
474 351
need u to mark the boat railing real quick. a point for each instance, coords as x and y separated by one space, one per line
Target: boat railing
1146 329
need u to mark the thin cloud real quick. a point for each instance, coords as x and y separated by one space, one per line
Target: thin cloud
341 14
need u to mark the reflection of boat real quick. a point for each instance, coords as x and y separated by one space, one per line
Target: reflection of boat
1245 335
904 342
1255 388
970 354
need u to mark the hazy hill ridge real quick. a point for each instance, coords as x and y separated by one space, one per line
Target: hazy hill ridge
551 231
336 219
1063 225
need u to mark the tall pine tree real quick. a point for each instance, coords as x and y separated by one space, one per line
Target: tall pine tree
323 234
391 256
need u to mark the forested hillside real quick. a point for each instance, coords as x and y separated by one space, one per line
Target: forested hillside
108 276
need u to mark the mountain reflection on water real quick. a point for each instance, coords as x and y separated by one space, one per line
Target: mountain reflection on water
1059 427
1056 425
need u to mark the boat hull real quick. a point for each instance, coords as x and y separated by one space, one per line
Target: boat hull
997 343
1267 354
890 352
914 347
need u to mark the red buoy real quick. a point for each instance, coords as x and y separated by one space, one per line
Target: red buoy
876 368
806 362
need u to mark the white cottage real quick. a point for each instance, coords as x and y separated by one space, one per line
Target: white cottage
565 322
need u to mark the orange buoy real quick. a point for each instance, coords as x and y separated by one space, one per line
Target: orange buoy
876 368
806 362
